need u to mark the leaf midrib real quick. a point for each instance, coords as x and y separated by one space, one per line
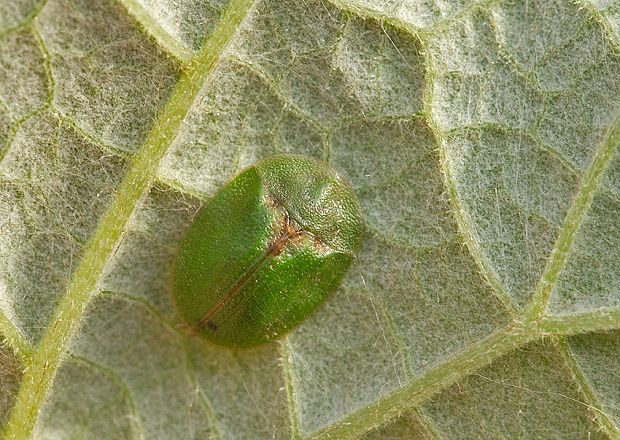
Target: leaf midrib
41 370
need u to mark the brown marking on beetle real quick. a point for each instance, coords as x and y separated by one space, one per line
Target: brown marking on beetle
289 232
270 201
320 246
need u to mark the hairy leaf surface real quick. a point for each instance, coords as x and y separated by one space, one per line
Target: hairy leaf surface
480 137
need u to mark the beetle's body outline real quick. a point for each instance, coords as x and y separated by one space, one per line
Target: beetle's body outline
267 249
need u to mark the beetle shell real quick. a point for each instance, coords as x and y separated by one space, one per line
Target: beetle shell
266 250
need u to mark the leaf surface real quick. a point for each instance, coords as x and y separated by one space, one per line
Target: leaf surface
480 138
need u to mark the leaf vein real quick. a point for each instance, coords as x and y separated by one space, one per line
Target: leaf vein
56 340
575 217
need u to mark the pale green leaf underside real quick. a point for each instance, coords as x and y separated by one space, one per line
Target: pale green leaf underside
480 138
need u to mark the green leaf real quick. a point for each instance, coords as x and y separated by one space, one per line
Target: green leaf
481 139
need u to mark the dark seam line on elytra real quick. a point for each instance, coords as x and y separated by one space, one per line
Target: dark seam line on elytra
273 250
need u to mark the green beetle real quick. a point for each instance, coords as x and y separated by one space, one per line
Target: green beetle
269 247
